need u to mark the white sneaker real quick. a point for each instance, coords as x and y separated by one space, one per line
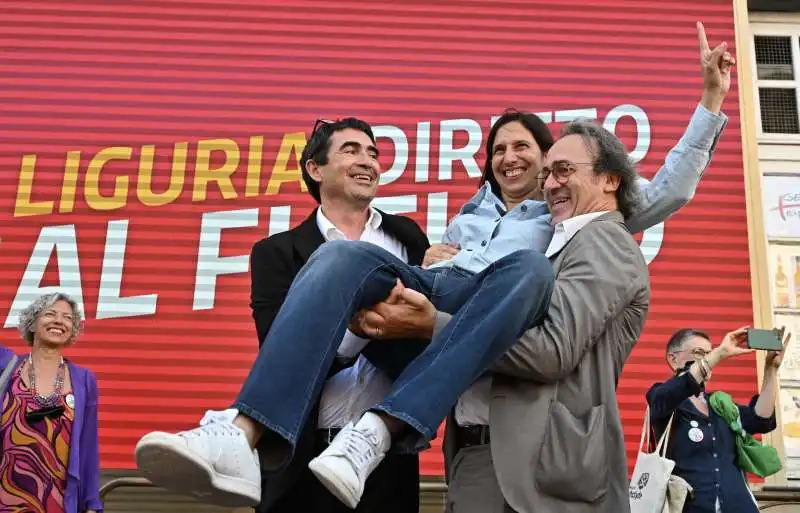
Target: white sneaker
213 463
354 453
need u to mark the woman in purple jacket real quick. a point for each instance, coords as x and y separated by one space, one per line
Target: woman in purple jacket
48 428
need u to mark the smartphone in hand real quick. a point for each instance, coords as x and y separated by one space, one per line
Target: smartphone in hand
765 340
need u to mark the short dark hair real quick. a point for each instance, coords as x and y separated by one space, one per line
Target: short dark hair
610 156
532 123
319 144
681 336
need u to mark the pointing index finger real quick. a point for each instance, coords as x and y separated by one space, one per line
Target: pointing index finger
701 36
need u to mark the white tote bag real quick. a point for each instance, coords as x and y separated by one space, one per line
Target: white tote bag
648 486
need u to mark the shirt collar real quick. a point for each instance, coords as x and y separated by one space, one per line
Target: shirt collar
329 230
566 229
572 225
485 195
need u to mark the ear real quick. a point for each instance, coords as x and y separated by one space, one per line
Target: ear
611 182
672 361
314 170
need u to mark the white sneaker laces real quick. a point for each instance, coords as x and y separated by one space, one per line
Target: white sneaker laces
215 423
360 448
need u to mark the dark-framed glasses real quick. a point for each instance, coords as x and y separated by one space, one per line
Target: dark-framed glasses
696 352
561 171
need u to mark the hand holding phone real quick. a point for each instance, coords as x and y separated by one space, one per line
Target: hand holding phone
765 340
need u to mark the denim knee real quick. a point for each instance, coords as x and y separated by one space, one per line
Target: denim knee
532 268
338 253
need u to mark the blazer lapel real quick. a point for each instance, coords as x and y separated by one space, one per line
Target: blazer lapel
614 216
405 234
78 379
307 237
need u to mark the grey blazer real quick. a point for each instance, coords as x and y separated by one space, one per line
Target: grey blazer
557 442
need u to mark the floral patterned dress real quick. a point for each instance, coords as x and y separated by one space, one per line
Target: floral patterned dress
35 455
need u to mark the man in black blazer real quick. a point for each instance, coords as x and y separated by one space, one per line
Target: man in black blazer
344 213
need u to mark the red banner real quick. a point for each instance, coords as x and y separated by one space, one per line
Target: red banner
146 146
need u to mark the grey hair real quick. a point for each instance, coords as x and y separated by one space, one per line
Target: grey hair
680 337
28 316
610 156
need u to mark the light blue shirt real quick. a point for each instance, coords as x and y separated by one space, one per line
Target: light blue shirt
486 232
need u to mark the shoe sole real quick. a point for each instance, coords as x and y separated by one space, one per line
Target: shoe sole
333 483
178 469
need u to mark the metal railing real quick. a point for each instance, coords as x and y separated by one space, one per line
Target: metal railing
782 496
141 482
124 482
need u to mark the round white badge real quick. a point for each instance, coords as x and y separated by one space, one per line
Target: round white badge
70 400
693 423
696 435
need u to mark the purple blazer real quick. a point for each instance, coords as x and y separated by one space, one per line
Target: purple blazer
83 471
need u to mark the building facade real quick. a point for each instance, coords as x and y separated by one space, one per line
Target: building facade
769 74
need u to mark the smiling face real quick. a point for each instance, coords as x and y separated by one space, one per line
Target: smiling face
54 326
516 162
572 186
352 170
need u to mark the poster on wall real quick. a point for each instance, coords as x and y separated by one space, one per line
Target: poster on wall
790 415
790 386
784 278
790 369
782 206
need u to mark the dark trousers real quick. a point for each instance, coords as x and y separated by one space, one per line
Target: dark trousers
392 488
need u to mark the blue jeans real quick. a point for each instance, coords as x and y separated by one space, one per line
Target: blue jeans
490 311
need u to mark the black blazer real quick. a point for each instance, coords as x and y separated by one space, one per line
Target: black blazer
274 263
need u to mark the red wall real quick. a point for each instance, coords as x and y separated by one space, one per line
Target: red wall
80 77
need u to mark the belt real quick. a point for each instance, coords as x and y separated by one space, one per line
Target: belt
472 435
326 436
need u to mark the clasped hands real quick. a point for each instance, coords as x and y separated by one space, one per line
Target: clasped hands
405 314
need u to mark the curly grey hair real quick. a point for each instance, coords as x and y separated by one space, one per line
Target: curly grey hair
28 316
610 156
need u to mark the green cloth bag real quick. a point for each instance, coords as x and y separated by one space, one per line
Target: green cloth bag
751 455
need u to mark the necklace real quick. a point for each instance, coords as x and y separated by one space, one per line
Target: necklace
58 384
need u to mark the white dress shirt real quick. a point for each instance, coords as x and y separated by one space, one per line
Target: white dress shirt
347 394
472 408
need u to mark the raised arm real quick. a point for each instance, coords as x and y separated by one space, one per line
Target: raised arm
664 398
602 275
676 182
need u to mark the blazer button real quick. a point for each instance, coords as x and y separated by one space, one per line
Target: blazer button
483 243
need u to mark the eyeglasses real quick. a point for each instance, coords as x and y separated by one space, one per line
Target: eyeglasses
697 352
561 171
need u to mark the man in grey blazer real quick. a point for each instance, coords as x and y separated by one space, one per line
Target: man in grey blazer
556 441
554 393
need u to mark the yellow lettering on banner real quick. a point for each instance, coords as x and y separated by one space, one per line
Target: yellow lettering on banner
144 185
254 166
292 142
69 185
119 197
203 174
23 205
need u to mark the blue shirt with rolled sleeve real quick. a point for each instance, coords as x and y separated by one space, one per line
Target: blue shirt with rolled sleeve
487 232
709 464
